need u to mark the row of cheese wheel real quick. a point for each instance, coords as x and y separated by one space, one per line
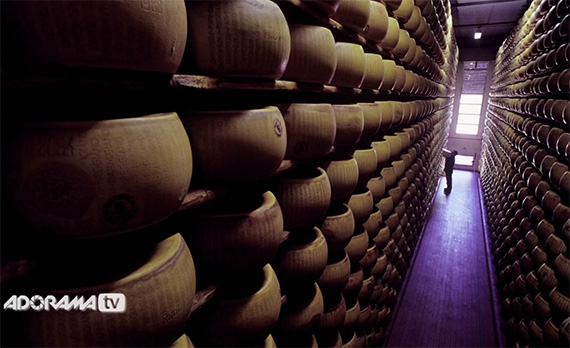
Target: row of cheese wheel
70 178
321 271
421 29
529 247
247 38
164 272
536 45
524 175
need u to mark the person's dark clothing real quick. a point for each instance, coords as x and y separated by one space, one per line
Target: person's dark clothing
449 163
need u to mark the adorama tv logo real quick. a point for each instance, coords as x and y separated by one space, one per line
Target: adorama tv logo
106 303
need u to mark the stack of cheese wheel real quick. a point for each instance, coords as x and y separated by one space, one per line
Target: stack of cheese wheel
524 169
305 195
87 179
44 36
260 133
313 57
248 38
158 281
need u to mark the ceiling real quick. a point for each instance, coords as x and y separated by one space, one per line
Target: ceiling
496 18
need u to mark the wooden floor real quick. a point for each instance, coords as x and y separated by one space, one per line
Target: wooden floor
448 299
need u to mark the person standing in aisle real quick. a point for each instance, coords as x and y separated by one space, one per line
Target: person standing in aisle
448 169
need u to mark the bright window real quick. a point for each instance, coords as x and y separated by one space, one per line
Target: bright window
469 114
464 160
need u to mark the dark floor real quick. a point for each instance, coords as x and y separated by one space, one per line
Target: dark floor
448 298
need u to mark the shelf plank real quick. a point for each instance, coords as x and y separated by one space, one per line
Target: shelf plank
202 296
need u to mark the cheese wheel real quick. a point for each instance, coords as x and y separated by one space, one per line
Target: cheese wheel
128 35
414 22
404 8
349 124
377 26
302 258
351 65
304 195
372 117
245 311
403 45
237 145
333 314
302 312
311 129
235 235
158 285
400 78
342 172
367 161
389 77
374 72
353 14
361 203
352 310
338 226
248 38
377 187
313 55
383 152
336 273
93 178
392 36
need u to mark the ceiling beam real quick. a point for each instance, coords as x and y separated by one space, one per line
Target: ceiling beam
483 2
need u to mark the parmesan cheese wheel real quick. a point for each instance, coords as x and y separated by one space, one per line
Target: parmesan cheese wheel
361 204
333 314
367 161
157 289
383 152
336 273
400 78
302 312
302 258
377 26
402 8
349 124
338 226
311 129
392 36
371 113
403 44
351 65
353 14
389 78
313 55
377 187
374 72
304 195
414 22
245 311
356 249
236 235
93 178
342 171
247 38
387 112
128 35
352 310
237 145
